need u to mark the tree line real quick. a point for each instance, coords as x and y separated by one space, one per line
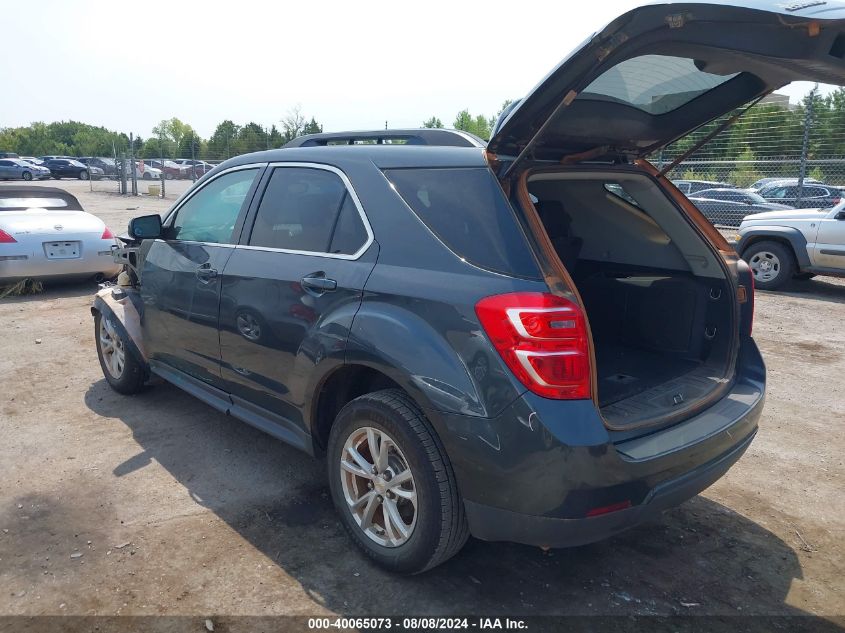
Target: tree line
170 138
769 131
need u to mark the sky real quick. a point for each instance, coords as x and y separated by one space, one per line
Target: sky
352 65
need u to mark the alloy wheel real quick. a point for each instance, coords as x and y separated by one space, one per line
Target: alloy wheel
378 486
111 345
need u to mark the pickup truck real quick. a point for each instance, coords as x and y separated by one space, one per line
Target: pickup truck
795 244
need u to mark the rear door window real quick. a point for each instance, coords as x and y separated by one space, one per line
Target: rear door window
308 209
466 209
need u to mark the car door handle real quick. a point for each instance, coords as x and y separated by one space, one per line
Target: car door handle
206 272
318 283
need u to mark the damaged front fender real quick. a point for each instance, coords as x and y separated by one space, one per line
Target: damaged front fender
122 307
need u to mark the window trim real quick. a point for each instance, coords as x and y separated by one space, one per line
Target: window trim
349 189
167 221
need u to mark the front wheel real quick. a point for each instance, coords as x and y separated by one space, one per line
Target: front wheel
147 176
771 263
393 484
83 175
121 369
26 175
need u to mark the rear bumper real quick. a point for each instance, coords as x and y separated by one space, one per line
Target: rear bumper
495 524
540 472
38 266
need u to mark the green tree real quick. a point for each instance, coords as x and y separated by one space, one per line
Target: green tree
433 122
220 144
478 125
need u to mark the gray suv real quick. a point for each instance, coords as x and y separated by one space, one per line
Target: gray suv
539 341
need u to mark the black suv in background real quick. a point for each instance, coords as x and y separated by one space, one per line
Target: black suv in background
814 195
71 168
541 341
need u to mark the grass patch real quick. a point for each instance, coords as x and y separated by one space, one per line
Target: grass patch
22 288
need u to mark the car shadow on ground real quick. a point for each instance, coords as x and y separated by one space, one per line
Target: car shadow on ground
57 290
817 289
701 558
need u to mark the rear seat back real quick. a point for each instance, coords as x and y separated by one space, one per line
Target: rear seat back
558 226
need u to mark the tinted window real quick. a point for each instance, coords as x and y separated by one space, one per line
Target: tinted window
814 192
467 210
349 234
301 208
654 83
211 213
6 163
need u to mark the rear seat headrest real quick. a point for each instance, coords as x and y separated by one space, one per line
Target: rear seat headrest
554 218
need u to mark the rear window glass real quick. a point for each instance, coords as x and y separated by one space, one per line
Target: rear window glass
654 83
32 203
467 210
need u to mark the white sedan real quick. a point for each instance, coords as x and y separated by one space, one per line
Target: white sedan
45 234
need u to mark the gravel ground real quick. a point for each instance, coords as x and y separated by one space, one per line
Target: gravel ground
156 504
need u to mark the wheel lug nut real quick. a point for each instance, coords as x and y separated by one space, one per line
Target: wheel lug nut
370 485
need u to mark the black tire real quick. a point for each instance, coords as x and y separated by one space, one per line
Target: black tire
83 175
57 177
26 175
756 256
131 380
804 276
441 527
168 176
147 176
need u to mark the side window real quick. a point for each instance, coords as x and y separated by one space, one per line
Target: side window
5 163
349 233
211 213
307 209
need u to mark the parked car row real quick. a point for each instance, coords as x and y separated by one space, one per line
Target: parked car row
726 204
14 167
39 169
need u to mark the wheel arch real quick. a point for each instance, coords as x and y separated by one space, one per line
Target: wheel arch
125 318
339 387
790 237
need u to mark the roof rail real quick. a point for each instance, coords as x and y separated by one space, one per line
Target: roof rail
411 136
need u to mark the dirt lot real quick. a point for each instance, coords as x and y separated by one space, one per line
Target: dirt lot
156 504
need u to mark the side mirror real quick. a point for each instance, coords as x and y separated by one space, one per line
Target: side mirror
839 216
146 227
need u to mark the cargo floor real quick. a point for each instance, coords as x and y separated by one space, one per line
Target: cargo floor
626 371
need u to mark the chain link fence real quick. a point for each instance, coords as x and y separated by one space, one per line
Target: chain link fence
777 155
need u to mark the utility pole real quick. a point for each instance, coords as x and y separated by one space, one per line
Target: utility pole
193 161
133 174
805 145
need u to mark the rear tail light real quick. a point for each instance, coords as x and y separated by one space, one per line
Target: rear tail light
543 340
107 234
5 238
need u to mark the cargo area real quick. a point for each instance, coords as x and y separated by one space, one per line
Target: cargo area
658 301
